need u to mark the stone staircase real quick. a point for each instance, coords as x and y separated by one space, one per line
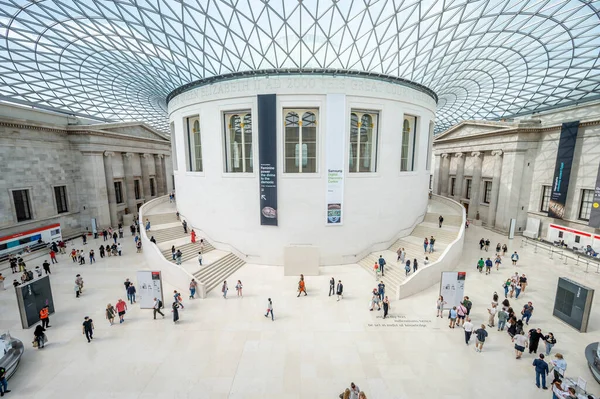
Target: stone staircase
214 274
160 218
188 251
168 234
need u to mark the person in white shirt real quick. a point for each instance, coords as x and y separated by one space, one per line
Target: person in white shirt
200 258
468 326
354 391
521 342
492 313
119 248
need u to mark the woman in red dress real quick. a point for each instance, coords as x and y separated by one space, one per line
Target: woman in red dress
193 236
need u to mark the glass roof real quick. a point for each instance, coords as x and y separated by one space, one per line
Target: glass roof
118 60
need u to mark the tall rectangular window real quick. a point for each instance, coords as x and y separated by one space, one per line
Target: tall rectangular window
194 144
300 140
585 206
468 193
363 141
407 154
452 185
238 142
22 205
487 192
119 192
60 195
152 187
136 189
546 192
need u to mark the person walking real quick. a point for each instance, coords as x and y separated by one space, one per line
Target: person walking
175 311
488 266
156 308
415 265
407 267
79 284
468 304
402 255
440 306
301 286
53 256
44 318
92 256
132 229
193 236
127 283
468 327
177 298
38 336
480 264
399 253
110 314
340 290
523 282
381 289
193 287
504 250
431 244
381 262
173 252
515 258
560 366
131 293
541 371
115 237
492 315
184 224
550 341
453 314
88 328
386 306
224 289
46 267
520 341
441 221
239 287
178 256
120 231
270 309
502 317
535 335
101 250
425 244
147 225
498 248
481 244
332 286
487 244
200 258
375 300
527 312
461 313
3 382
480 336
121 307
498 261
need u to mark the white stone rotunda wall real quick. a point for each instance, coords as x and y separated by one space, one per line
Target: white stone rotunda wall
378 207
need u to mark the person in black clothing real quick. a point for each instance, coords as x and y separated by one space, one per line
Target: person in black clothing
184 226
132 229
152 240
84 238
481 244
13 264
535 334
38 336
88 328
331 286
3 383
115 236
101 250
441 220
46 267
340 290
54 247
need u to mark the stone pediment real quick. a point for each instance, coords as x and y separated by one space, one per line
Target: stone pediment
133 129
469 128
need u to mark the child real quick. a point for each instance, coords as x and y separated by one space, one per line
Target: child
376 270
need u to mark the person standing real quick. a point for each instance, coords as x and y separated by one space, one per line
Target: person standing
481 244
535 334
340 290
560 366
386 306
502 317
147 225
110 314
184 224
440 306
156 308
200 258
402 255
53 256
178 256
498 248
115 237
44 317
101 250
504 250
468 304
431 244
452 315
132 229
127 283
239 287
121 307
461 313
79 284
224 289
468 326
480 264
84 238
523 282
487 244
415 265
92 256
46 267
550 341
175 311
527 312
381 262
407 267
492 315
381 290
173 251
120 231
375 300
270 309
119 248
425 244
441 221
399 253
193 287
520 341
38 337
480 335
331 286
177 298
515 258
88 328
541 370
131 293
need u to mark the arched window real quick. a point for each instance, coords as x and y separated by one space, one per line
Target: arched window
363 141
238 142
194 145
407 156
300 141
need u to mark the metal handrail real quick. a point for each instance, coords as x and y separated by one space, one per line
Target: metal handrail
563 253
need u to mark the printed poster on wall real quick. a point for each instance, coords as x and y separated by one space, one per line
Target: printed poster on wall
595 212
562 169
149 286
267 158
334 147
452 288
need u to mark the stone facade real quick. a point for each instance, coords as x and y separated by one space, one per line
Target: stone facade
517 158
42 150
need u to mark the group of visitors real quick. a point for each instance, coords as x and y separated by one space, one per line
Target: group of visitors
353 392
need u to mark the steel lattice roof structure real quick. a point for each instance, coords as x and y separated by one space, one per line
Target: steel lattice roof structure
118 60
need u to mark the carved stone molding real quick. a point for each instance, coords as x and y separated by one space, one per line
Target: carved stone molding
109 154
476 154
497 153
445 155
459 155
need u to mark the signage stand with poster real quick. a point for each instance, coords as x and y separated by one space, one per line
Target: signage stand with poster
149 286
452 288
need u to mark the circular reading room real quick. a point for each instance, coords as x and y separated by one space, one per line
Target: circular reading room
327 166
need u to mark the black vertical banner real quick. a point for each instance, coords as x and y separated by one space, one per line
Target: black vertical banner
562 169
267 158
595 212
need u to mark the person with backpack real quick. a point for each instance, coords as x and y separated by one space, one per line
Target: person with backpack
156 308
468 304
381 265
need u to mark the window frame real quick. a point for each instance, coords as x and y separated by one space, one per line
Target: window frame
374 150
65 197
411 145
452 185
152 186
301 111
192 147
29 204
587 203
136 189
487 193
118 192
227 157
545 199
468 187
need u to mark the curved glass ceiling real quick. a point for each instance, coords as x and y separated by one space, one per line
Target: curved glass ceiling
118 60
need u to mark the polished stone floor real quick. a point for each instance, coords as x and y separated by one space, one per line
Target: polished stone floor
315 347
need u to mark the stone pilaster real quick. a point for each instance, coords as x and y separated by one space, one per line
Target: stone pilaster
475 185
145 165
460 176
110 187
497 154
129 182
160 175
445 174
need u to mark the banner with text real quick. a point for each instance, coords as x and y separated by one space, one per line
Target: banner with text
562 169
595 211
267 158
334 156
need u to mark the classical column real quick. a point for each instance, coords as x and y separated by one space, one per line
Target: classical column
475 185
491 222
460 176
160 175
145 165
166 177
436 174
445 174
129 184
110 187
168 161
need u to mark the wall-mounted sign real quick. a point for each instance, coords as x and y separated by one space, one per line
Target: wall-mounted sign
562 169
267 157
334 159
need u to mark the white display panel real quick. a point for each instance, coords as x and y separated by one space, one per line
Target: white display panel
336 133
452 288
149 286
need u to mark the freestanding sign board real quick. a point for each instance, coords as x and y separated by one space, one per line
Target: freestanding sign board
32 297
452 288
149 287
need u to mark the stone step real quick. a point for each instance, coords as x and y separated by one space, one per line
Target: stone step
439 234
214 274
188 251
172 233
451 220
161 218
